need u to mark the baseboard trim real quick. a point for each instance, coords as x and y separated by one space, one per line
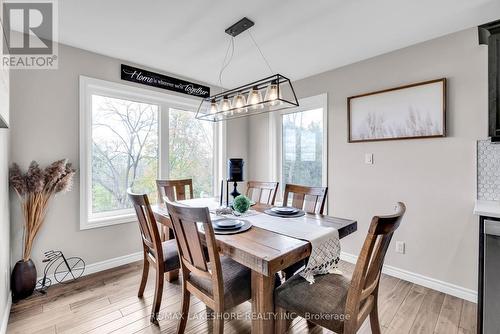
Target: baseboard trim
107 264
5 315
428 282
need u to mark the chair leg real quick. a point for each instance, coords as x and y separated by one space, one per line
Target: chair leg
158 295
218 322
281 322
144 279
184 310
374 322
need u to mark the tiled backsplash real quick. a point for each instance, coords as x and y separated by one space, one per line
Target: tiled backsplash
488 170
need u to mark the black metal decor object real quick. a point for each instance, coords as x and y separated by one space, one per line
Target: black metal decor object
235 174
239 27
66 269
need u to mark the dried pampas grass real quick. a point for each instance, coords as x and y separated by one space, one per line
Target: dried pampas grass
35 188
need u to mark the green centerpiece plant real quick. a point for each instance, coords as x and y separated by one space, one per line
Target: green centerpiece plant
241 204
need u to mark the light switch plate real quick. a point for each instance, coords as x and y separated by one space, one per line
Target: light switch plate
400 247
369 158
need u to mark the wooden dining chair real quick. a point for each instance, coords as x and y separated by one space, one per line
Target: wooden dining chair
219 282
262 192
309 199
174 190
347 302
162 256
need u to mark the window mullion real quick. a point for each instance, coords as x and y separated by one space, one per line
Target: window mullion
164 172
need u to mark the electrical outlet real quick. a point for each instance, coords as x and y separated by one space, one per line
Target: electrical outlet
369 158
400 247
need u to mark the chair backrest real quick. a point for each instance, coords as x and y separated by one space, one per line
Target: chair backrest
262 192
191 249
309 199
148 227
174 190
362 294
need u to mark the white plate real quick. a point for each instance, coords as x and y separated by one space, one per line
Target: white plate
285 210
228 224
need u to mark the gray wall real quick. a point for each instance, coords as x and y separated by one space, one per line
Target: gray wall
44 119
434 177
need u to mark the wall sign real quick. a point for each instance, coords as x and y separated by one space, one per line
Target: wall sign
158 80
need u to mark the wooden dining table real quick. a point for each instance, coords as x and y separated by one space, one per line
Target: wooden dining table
264 252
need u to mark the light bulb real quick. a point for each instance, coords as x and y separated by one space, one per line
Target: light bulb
213 107
225 104
255 98
239 103
272 93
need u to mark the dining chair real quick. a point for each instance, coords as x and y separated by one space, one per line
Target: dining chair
309 199
217 281
262 192
162 256
347 302
174 190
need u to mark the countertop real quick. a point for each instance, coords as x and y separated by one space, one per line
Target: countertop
487 208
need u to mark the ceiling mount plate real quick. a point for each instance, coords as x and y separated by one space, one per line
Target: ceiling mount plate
239 27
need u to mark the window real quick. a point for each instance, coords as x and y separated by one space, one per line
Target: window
299 151
122 131
124 152
302 147
191 148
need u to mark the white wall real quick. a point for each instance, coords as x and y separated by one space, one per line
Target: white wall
434 177
44 122
4 198
4 229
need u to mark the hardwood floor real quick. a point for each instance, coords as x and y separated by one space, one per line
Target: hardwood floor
107 302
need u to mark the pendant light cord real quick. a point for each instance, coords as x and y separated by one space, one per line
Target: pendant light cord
227 60
228 57
260 51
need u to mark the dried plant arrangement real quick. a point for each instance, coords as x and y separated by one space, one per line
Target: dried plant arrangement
35 188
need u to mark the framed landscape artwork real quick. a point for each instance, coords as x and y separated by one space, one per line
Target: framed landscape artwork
406 112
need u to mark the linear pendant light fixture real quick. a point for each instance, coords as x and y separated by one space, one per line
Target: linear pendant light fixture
272 93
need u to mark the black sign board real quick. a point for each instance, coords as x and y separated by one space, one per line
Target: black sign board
144 77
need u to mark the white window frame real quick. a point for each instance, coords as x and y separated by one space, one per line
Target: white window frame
90 86
275 129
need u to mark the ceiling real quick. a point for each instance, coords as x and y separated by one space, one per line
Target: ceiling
298 37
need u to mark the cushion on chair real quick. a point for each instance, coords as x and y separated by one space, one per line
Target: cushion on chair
170 255
325 300
236 279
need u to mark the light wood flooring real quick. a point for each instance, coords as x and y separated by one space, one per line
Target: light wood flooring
106 302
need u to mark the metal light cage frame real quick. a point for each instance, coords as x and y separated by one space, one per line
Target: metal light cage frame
265 106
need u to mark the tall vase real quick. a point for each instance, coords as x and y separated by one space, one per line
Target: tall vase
23 279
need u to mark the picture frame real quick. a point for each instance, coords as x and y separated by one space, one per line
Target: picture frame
412 111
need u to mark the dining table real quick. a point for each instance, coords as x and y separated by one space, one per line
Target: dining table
263 251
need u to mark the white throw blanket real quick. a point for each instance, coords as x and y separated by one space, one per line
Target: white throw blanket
325 241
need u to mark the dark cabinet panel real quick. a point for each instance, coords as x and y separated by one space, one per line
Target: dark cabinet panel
490 34
493 84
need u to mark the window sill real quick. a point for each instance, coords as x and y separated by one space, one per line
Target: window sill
107 221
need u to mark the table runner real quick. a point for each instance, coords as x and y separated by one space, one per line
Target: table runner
325 242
